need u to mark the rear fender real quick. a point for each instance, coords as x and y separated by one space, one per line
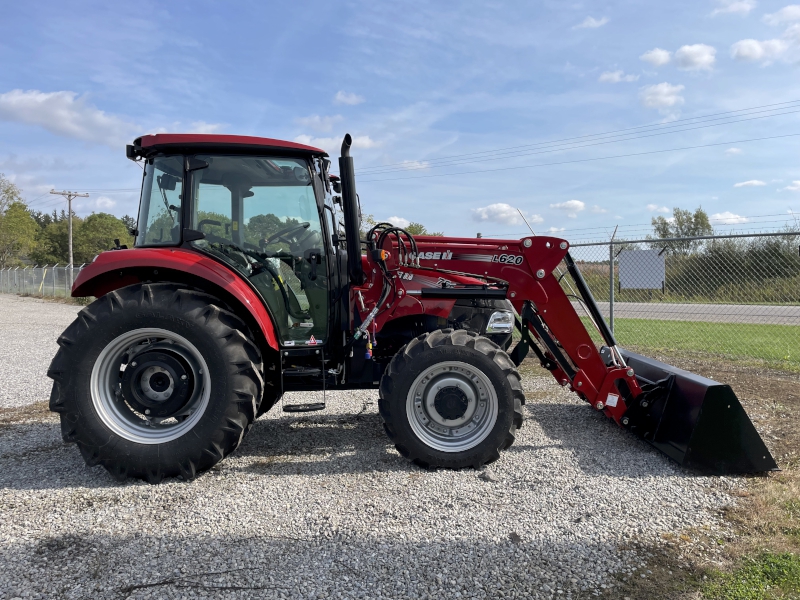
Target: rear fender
119 268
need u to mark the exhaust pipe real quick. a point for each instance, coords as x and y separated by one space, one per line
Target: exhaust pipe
352 213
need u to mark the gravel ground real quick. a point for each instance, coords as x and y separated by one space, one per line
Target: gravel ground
321 506
29 329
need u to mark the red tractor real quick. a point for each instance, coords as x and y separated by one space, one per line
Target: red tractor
250 276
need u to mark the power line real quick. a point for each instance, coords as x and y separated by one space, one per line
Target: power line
581 160
573 146
614 132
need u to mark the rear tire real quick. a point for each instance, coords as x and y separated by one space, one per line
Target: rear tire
184 407
451 399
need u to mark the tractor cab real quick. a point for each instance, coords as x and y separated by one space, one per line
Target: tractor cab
258 206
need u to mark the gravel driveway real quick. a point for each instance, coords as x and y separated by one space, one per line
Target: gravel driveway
320 506
29 329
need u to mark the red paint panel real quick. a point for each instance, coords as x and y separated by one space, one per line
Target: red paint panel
185 139
88 282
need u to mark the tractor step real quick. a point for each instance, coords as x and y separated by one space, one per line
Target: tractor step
305 407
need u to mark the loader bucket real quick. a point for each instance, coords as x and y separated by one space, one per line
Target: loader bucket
696 421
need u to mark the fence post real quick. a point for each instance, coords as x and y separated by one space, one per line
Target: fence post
55 270
611 285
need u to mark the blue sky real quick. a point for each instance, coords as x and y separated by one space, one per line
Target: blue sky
416 83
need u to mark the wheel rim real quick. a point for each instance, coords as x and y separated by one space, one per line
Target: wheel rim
150 386
452 406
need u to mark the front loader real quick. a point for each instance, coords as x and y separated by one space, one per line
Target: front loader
250 276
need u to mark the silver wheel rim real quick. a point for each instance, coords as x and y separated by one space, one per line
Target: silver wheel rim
451 432
119 415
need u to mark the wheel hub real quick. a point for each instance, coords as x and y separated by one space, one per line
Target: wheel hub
157 383
451 403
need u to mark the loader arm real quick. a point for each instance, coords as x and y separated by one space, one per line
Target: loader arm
696 421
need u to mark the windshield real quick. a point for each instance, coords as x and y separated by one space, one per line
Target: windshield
159 221
260 215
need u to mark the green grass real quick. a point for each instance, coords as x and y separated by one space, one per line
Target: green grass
775 344
764 577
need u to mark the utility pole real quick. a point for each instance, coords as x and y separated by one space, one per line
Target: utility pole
69 196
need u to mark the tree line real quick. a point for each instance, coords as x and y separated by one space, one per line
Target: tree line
33 237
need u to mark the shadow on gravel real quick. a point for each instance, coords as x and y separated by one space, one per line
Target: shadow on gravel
322 563
323 444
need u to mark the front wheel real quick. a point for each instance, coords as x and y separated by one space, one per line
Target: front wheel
451 399
156 381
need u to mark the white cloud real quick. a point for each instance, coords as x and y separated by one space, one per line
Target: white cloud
787 14
349 98
696 57
535 219
65 113
203 127
333 145
657 208
616 77
741 7
793 187
571 207
413 165
755 51
598 210
750 183
555 229
793 33
656 57
662 96
317 123
398 222
500 212
591 23
105 202
733 151
728 218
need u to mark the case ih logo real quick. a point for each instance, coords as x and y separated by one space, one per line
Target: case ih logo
446 255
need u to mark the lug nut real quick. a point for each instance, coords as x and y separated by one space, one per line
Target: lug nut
183 377
599 405
133 364
629 372
645 404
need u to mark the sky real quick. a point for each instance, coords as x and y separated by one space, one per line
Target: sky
582 116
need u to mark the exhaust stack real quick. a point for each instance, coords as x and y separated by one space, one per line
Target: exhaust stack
352 213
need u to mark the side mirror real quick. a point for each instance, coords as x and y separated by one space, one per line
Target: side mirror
337 185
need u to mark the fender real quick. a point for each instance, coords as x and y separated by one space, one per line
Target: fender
118 268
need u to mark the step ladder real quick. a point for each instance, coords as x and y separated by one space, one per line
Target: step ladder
305 372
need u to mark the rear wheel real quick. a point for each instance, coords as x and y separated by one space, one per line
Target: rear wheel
156 381
451 399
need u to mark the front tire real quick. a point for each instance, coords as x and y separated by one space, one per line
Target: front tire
451 399
155 381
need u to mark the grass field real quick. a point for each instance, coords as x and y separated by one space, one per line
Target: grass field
777 345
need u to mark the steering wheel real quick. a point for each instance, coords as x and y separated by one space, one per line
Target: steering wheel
283 234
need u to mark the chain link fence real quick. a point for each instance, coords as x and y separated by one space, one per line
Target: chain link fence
736 296
47 281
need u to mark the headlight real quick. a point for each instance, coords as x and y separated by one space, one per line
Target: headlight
501 322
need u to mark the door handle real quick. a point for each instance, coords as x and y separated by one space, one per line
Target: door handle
314 257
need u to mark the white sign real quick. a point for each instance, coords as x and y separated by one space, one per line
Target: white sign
641 270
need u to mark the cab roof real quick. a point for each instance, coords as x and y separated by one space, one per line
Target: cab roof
212 142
